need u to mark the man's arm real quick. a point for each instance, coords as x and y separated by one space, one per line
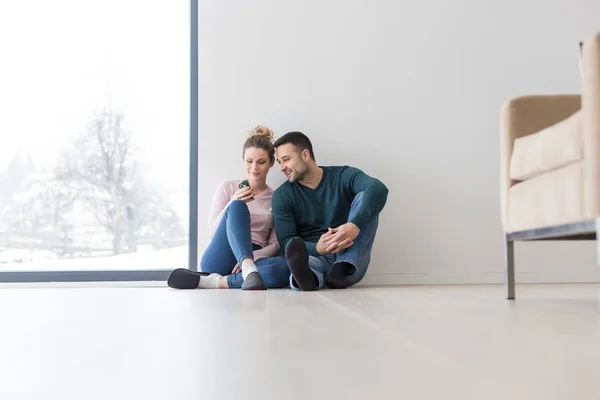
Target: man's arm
374 197
285 223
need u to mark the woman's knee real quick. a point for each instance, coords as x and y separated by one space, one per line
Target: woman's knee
238 205
238 212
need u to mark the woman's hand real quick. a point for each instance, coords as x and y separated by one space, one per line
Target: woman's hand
236 269
244 194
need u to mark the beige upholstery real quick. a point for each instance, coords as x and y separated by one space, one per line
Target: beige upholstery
550 154
551 148
549 199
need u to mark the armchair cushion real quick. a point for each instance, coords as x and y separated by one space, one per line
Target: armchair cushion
548 149
552 198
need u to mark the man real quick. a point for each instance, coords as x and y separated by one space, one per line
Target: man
325 217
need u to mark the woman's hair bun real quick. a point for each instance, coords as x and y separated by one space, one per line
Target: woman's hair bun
261 130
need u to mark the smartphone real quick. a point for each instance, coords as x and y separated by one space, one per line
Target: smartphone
244 183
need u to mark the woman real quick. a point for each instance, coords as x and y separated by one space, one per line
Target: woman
243 242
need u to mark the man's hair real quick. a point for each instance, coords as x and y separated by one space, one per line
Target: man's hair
299 140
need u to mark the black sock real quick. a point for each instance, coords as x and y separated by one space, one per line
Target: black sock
297 259
337 277
314 277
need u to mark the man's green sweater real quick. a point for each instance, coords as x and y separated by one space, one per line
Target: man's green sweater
301 211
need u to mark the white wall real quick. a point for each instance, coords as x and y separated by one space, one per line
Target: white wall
402 90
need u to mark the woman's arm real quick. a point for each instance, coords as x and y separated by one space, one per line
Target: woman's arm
270 250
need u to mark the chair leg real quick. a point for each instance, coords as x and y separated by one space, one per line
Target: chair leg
598 241
509 268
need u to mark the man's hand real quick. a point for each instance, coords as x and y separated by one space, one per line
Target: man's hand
323 242
341 238
236 269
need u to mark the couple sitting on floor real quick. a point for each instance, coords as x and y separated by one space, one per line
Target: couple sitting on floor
324 218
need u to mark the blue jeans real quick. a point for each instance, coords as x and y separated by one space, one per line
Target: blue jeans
232 243
359 255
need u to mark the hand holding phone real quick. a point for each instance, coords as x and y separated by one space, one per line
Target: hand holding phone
245 192
243 183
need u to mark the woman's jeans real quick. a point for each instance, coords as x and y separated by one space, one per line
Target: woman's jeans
232 243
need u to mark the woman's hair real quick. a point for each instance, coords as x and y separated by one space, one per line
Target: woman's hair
261 137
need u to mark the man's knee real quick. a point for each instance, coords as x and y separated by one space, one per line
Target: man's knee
358 198
356 202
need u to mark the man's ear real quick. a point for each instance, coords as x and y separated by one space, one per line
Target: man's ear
305 155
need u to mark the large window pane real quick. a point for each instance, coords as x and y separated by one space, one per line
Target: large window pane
94 158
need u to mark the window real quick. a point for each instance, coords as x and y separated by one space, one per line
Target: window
95 154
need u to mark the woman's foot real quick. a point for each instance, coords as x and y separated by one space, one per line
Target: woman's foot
254 282
182 278
252 279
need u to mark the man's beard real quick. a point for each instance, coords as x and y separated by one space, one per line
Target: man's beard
300 175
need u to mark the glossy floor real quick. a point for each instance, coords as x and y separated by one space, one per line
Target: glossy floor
418 342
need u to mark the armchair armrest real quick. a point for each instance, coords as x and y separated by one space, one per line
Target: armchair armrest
523 116
591 125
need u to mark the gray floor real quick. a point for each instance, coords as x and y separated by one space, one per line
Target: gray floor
453 342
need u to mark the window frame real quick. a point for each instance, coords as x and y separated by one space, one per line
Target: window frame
144 275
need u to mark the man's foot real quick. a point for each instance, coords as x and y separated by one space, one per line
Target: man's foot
254 282
182 278
297 259
337 277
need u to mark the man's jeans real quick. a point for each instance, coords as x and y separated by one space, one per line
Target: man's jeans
359 255
232 243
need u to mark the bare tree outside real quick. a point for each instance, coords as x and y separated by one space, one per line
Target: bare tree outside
102 166
96 190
